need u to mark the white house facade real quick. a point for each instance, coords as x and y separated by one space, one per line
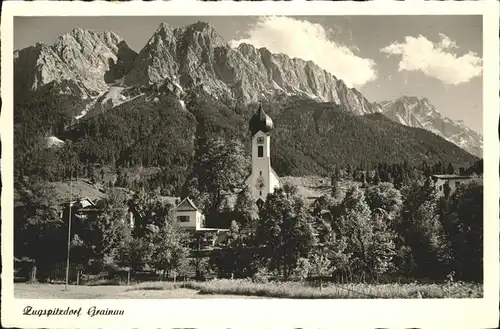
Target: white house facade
189 216
453 182
185 211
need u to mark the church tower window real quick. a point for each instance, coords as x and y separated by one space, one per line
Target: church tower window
260 151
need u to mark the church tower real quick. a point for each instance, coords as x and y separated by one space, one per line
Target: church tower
263 179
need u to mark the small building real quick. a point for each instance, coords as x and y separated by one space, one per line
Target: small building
192 219
453 181
185 211
80 207
189 216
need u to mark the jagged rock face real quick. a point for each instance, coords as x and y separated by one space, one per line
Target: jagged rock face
85 64
420 113
94 59
199 56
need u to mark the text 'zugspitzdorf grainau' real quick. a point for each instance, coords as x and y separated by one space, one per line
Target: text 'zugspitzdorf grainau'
92 311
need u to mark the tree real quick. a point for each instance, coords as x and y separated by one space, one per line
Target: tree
150 209
439 168
134 252
376 178
113 224
384 196
320 267
221 166
463 224
335 180
170 251
284 232
450 170
39 231
355 224
381 251
421 232
246 209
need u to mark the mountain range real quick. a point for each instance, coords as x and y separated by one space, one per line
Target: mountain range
85 73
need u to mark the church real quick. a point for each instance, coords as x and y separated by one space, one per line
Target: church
262 180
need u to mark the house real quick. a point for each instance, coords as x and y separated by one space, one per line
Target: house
185 211
192 219
189 216
452 181
80 207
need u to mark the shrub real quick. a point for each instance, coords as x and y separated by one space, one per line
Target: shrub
262 276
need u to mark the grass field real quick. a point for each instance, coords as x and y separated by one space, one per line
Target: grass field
248 289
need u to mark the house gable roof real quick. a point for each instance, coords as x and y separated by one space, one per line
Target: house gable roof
187 203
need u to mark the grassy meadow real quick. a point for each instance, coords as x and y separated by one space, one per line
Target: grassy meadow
249 289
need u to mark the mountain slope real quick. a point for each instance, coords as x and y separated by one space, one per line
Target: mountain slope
329 135
420 113
310 138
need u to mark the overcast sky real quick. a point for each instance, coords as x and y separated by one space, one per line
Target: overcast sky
384 57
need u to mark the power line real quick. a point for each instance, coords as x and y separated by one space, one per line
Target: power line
69 229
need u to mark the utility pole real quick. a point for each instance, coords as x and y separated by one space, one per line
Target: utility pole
69 228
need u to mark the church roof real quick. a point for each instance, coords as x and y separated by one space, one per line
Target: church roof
260 121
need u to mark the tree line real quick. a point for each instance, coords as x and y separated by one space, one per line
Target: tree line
369 229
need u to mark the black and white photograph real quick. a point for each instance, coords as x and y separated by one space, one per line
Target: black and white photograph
268 157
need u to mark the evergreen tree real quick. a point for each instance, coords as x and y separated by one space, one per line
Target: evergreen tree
450 170
376 178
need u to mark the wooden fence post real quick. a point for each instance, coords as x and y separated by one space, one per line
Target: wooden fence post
128 277
78 277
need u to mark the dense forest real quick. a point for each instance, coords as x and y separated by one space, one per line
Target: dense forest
154 130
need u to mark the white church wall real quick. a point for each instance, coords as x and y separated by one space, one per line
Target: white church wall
274 182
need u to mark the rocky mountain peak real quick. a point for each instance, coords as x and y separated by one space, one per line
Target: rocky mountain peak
197 54
421 113
164 31
92 58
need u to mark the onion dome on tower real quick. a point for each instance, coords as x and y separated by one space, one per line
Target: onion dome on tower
260 121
